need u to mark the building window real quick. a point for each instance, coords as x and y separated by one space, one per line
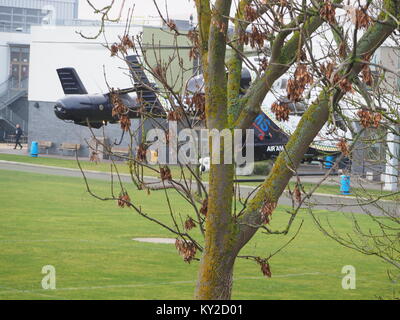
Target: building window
19 19
6 10
19 63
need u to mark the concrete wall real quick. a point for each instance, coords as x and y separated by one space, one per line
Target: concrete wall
44 125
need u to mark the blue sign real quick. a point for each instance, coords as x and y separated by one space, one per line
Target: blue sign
262 125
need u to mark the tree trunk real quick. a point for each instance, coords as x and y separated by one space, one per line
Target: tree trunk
215 275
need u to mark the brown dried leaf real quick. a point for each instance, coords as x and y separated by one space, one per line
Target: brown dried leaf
114 50
346 85
141 152
297 193
367 75
125 122
281 111
363 19
328 12
165 173
265 267
189 224
344 147
186 249
369 118
250 13
94 157
343 49
124 200
266 211
204 207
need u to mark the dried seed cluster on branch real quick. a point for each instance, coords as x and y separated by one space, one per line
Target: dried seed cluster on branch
189 224
266 211
263 63
165 173
281 111
328 70
250 13
296 86
125 44
344 147
121 111
94 157
346 85
186 249
328 12
369 119
193 37
141 152
297 193
257 37
198 102
204 207
124 200
363 19
176 114
367 75
172 25
359 17
160 72
265 267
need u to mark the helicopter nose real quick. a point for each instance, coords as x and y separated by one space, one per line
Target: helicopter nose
60 111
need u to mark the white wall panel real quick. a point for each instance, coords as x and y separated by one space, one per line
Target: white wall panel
63 47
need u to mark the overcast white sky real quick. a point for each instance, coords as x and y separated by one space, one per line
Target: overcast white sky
177 9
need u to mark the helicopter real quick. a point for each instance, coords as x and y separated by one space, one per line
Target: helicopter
95 110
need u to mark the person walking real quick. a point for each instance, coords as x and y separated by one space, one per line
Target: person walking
18 134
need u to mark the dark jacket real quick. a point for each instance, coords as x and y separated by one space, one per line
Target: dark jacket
18 133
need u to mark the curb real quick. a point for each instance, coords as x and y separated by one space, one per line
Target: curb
325 195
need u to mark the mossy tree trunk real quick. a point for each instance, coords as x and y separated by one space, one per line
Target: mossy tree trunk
224 235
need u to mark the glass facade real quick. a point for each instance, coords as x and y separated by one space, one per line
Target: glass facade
20 19
20 15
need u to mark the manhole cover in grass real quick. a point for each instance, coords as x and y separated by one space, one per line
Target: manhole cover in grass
155 240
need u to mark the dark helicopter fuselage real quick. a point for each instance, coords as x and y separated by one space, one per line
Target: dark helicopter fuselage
95 109
81 107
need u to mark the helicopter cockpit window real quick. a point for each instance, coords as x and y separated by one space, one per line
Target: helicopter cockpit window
283 84
296 108
195 85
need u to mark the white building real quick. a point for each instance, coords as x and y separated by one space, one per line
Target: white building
16 19
62 46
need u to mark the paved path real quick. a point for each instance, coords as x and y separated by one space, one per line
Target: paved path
318 201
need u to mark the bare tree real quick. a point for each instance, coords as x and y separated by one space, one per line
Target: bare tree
284 34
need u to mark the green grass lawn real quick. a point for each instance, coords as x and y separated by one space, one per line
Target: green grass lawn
51 220
176 172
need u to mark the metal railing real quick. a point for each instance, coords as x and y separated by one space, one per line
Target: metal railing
12 118
11 90
4 86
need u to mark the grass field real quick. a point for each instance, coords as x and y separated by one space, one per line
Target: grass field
123 168
51 220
